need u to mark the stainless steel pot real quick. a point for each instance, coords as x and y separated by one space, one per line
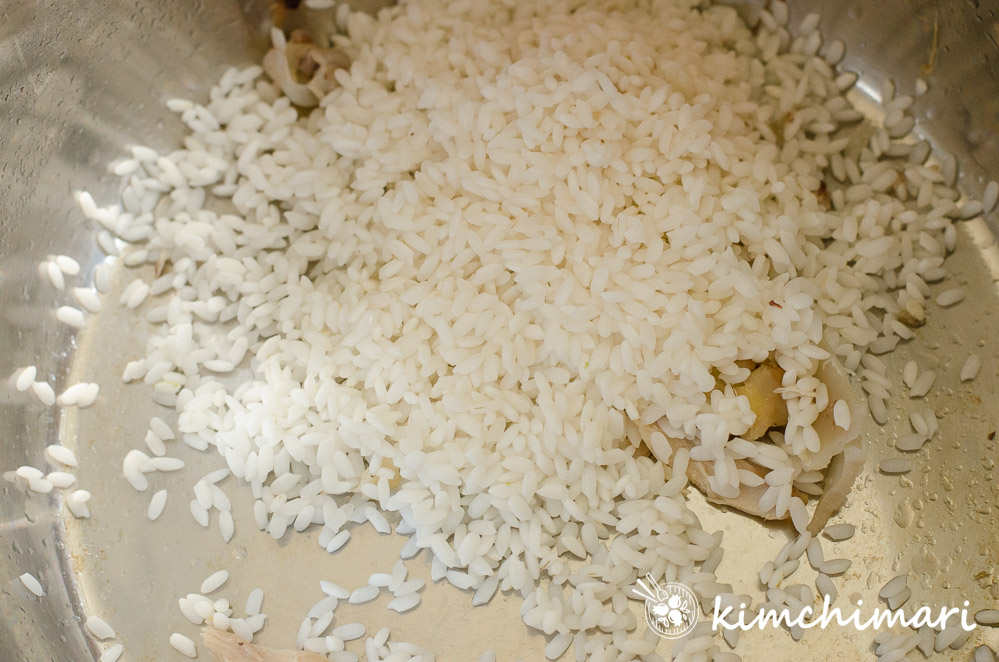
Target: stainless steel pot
78 84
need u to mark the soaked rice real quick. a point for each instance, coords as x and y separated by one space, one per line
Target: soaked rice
496 252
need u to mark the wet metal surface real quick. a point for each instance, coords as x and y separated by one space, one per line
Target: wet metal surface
78 85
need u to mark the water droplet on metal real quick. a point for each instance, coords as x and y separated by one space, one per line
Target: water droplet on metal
904 515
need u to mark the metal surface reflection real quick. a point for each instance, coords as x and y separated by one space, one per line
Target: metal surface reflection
78 84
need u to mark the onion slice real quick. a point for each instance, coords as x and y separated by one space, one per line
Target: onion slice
276 65
227 647
840 454
289 62
843 471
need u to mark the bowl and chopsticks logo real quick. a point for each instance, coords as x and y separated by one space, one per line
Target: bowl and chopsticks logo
670 609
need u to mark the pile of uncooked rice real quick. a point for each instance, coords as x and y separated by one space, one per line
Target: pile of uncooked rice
515 233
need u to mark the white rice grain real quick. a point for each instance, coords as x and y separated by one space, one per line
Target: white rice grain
950 297
923 384
971 367
80 395
155 444
363 595
841 415
557 646
199 514
836 566
799 514
405 603
160 427
24 378
910 443
879 409
183 645
100 628
987 617
156 505
134 293
103 274
40 485
164 464
893 587
241 628
838 532
970 209
825 586
945 638
67 265
349 632
77 503
60 479
72 317
214 581
338 541
112 654
898 600
32 584
984 654
895 465
57 454
53 274
227 525
254 601
989 196
44 393
334 590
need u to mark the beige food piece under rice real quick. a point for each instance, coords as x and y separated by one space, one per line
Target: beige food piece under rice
840 456
304 70
764 399
227 647
524 266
